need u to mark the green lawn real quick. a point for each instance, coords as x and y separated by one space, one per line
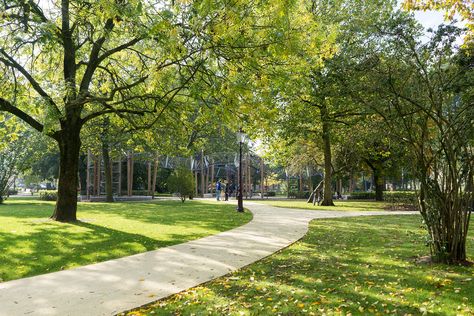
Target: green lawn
352 266
32 244
340 205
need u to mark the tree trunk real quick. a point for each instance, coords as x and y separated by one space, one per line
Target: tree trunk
327 195
202 174
155 172
149 178
379 184
108 172
69 143
377 169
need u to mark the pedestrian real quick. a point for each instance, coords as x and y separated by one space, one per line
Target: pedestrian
218 190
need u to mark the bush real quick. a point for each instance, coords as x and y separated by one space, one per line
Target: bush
48 195
12 192
181 182
299 195
402 197
361 196
270 193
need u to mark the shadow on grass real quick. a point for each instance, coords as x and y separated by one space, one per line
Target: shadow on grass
211 216
359 266
32 244
54 247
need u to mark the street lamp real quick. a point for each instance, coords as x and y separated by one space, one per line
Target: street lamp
241 137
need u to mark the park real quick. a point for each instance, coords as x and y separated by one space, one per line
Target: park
228 157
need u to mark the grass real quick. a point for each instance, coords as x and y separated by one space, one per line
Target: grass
31 244
340 205
352 266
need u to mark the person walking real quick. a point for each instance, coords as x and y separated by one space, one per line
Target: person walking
218 190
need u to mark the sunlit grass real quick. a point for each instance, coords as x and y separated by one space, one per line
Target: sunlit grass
355 266
32 244
339 205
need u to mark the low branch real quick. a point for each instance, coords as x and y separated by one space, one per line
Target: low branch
310 103
8 107
113 111
11 62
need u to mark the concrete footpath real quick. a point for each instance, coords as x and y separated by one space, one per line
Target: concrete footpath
114 286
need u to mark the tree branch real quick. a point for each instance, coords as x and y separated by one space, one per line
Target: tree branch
9 61
112 110
94 57
8 107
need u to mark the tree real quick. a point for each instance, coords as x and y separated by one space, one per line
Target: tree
427 88
104 62
90 59
181 181
313 100
130 59
14 152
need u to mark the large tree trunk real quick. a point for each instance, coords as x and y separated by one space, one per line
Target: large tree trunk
327 194
69 143
109 197
377 169
379 184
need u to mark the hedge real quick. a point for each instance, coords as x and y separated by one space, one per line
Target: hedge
407 197
48 195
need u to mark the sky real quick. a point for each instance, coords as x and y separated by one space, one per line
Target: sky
430 18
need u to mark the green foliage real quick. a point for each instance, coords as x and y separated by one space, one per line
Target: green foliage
357 266
181 182
436 127
48 195
361 196
31 244
47 166
14 153
403 197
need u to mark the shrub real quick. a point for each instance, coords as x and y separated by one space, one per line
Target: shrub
402 197
299 195
361 196
12 192
181 182
46 195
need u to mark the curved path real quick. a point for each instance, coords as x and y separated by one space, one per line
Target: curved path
118 285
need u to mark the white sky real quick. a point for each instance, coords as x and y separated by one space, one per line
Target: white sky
430 18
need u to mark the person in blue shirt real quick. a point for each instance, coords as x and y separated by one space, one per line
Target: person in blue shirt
218 190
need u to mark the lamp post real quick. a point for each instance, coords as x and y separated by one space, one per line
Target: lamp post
241 138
